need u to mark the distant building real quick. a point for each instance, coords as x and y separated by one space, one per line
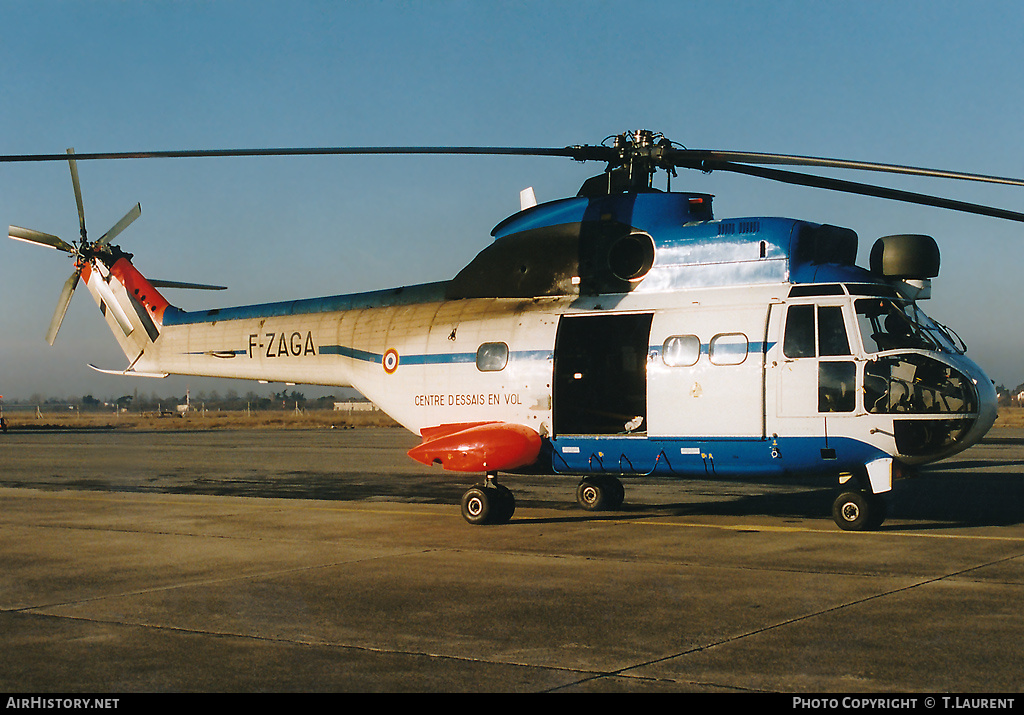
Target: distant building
355 407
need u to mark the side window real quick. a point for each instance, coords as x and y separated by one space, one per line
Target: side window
728 349
798 341
837 382
681 350
491 357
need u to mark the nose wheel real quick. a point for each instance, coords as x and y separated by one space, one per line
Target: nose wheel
859 511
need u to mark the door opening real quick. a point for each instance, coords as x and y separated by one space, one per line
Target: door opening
601 374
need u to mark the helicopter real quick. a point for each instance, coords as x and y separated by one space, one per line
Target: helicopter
623 332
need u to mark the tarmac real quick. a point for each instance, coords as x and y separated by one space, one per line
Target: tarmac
328 561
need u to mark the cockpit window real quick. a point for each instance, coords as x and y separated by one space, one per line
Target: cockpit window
917 384
893 324
832 338
801 340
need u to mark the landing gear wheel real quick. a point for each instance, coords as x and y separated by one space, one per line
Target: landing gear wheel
506 503
859 511
600 492
618 493
484 504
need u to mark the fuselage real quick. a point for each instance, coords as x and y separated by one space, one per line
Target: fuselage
633 333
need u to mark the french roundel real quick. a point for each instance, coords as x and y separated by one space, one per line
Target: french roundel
390 361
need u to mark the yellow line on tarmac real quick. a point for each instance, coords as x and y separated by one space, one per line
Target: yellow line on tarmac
834 531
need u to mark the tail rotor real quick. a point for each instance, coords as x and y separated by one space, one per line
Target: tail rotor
82 250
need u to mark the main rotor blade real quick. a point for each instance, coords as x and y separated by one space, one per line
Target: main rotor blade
78 192
689 158
686 157
38 237
121 225
659 155
583 152
850 187
62 306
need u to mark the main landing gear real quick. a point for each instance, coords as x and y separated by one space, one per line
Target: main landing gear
488 503
492 503
600 492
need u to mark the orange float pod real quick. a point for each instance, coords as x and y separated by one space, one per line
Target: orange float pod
478 446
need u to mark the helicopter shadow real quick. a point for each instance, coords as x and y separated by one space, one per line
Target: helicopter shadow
938 500
963 498
809 504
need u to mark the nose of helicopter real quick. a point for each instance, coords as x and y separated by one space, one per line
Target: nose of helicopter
988 405
941 403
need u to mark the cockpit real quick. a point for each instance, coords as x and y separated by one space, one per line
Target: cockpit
890 324
912 369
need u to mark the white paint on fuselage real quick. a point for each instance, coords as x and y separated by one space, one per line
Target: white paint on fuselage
435 379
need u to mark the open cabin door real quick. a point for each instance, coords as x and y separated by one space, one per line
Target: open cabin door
600 374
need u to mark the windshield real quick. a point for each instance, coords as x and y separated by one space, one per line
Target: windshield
887 324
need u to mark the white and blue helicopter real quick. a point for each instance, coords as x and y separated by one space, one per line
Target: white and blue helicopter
624 332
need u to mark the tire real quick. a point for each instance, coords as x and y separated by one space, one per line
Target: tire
858 511
506 505
617 493
488 505
478 505
593 494
880 509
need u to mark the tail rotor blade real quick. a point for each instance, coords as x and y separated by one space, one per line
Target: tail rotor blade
78 191
157 283
121 225
62 307
38 237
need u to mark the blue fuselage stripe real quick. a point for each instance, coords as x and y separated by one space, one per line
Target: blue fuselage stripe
350 353
427 359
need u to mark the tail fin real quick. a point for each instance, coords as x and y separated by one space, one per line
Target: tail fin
133 308
131 304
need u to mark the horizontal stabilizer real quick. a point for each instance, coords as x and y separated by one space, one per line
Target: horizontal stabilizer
129 371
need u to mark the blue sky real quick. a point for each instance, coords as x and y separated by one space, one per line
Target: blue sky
932 84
